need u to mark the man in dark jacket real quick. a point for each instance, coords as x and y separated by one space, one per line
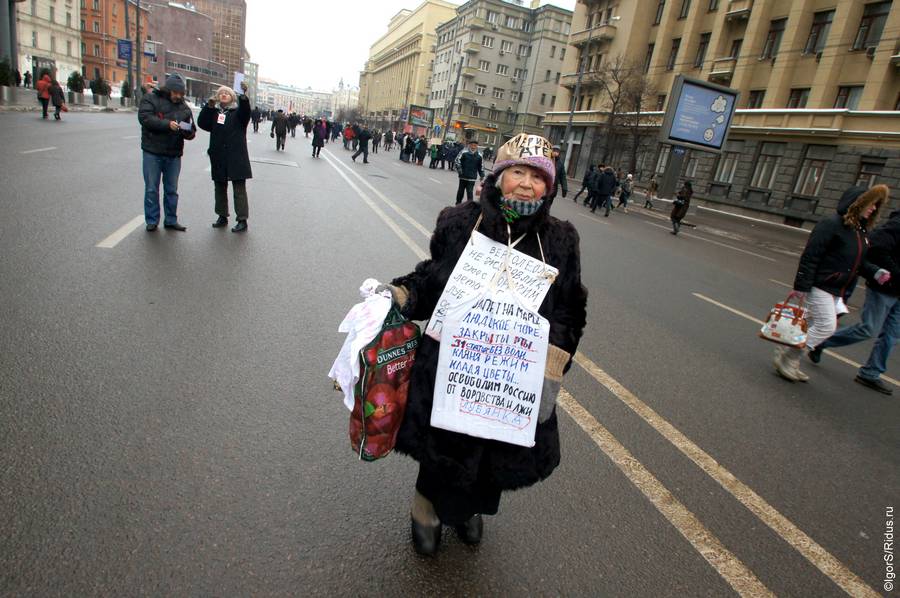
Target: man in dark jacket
881 311
166 121
255 116
560 181
469 167
604 185
363 138
586 186
279 129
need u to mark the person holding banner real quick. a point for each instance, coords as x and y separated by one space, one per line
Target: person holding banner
462 475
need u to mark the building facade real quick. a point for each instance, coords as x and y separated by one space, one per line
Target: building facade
512 59
397 71
274 96
229 32
48 38
251 76
102 25
818 108
181 39
344 100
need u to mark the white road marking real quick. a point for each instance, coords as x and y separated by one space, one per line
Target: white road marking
114 239
732 570
690 236
42 149
418 251
828 352
781 284
594 218
790 533
435 180
415 223
132 137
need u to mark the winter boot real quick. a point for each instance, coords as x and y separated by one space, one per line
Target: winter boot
781 365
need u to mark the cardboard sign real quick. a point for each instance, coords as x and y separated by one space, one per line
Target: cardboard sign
238 79
480 263
491 369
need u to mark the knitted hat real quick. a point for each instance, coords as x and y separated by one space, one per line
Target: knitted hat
529 150
174 82
229 91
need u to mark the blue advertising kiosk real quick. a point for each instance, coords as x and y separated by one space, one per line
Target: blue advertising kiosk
698 117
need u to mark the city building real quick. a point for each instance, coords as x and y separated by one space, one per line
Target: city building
251 76
181 41
818 107
48 38
344 101
512 60
399 66
273 95
229 31
102 25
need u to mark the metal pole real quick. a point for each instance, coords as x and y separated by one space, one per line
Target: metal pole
129 78
139 45
581 66
452 99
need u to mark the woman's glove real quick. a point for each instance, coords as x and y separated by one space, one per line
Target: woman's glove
553 373
399 294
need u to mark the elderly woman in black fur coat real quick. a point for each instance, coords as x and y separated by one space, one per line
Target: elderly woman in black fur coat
462 477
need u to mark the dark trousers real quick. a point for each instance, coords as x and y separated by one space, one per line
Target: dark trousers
256 126
58 110
457 504
601 201
45 103
468 187
364 150
374 148
317 149
239 188
583 189
279 141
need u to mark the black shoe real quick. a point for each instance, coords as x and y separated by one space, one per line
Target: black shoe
875 384
222 221
151 228
177 226
426 539
365 161
240 227
471 531
353 158
815 355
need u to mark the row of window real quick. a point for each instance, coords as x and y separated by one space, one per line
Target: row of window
502 69
51 15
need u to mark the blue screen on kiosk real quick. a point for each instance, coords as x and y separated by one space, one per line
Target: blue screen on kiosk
702 116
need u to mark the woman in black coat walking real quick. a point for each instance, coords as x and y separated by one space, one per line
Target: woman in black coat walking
681 205
462 477
228 157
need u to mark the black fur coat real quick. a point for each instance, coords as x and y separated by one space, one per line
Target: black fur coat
458 457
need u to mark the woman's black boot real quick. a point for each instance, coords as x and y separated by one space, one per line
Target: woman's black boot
426 538
471 531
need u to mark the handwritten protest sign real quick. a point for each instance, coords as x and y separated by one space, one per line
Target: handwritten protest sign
491 369
480 263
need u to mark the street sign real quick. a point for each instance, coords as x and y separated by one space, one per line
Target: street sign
149 49
124 49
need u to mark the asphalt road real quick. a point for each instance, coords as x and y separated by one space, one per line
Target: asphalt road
167 426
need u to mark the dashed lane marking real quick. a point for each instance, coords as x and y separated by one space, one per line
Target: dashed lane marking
731 247
435 180
790 533
123 231
732 570
760 322
131 137
40 149
275 162
595 219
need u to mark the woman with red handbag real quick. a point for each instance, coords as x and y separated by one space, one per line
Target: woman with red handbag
834 257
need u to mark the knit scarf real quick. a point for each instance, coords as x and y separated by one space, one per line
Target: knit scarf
513 209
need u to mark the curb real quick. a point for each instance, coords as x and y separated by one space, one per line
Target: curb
71 109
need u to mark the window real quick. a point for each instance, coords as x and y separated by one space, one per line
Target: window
767 165
115 30
663 160
83 49
818 34
673 54
52 14
492 17
96 49
756 98
484 65
512 22
498 93
543 99
870 169
773 40
52 43
872 25
552 51
502 69
713 5
736 48
547 75
811 174
518 73
487 41
659 12
552 100
474 110
83 25
34 39
690 167
648 58
69 20
557 78
562 54
726 167
96 26
96 4
115 11
34 8
660 101
701 50
479 89
685 8
798 98
506 46
848 97
515 96
68 47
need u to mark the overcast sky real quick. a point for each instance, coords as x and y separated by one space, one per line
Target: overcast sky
315 44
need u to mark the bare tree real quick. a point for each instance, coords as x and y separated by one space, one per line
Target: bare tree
639 93
613 79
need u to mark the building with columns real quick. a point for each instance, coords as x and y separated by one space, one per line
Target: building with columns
819 106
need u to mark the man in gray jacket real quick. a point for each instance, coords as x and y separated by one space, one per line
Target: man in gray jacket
469 167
